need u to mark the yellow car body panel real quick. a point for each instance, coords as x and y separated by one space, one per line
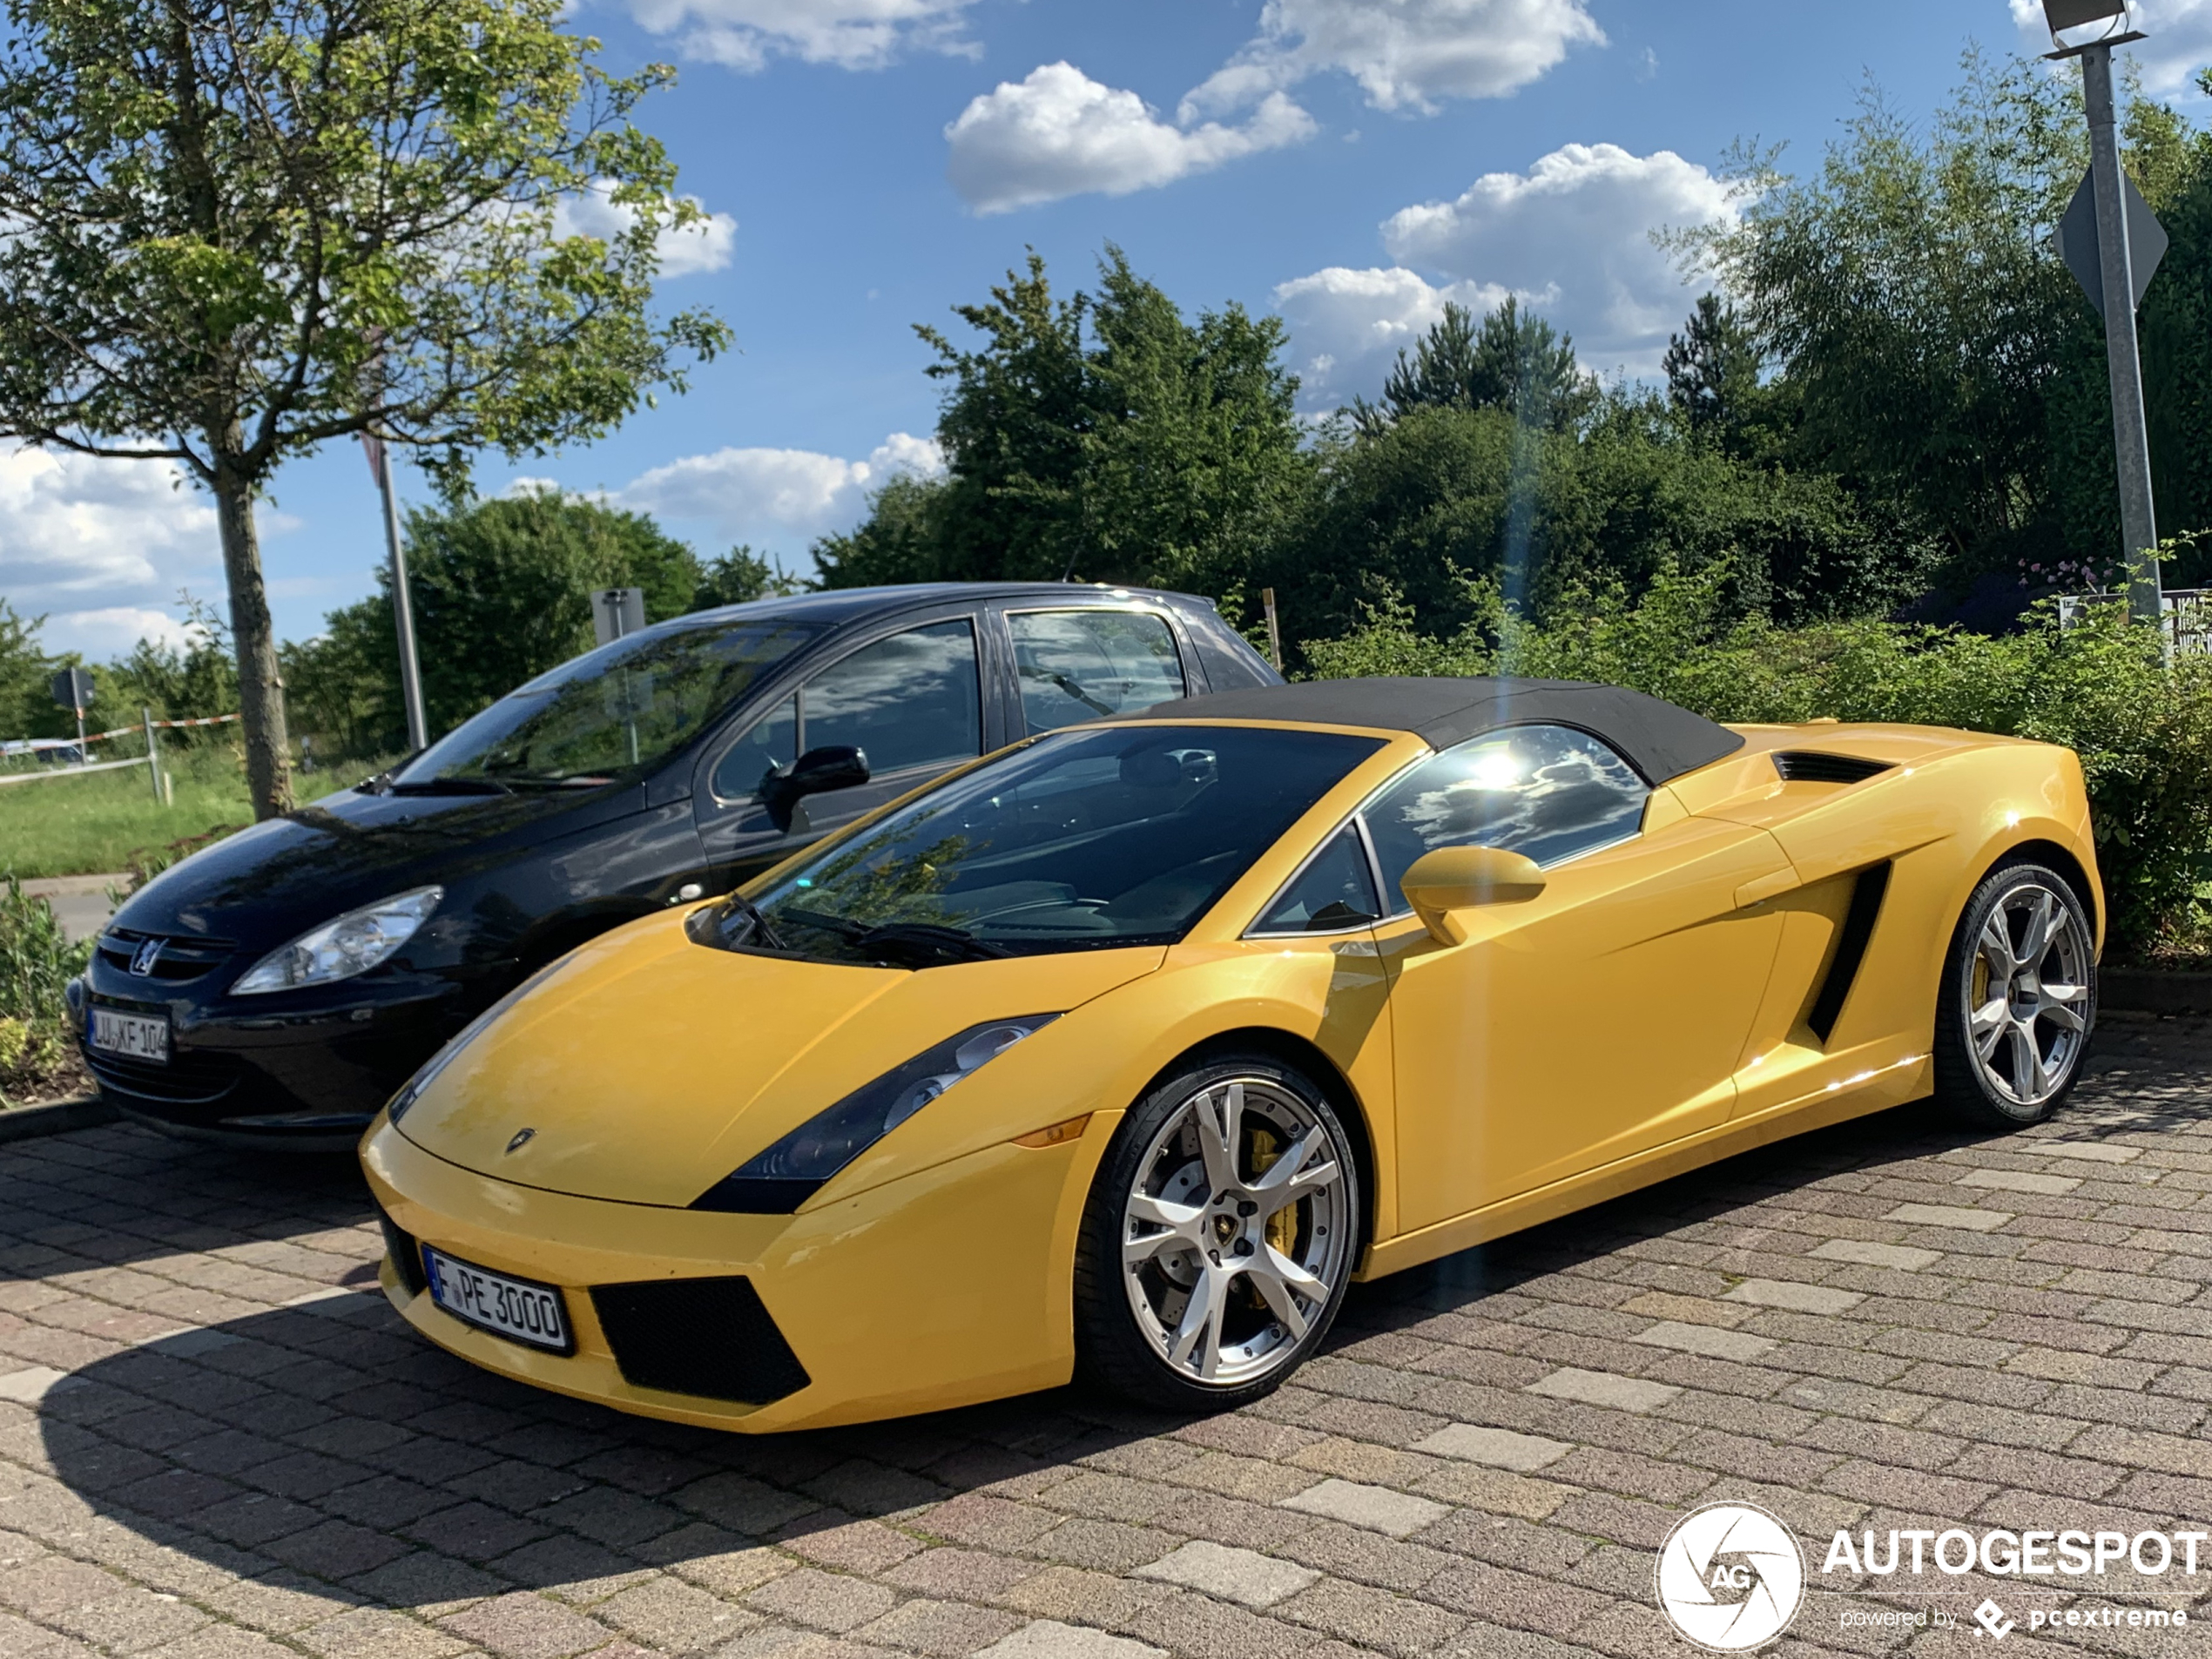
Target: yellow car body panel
1644 1015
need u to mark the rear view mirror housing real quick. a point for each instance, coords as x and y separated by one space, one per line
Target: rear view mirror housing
837 765
1461 878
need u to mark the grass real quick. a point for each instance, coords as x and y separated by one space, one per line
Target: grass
92 826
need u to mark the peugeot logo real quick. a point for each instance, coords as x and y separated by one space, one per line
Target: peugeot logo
143 958
522 1136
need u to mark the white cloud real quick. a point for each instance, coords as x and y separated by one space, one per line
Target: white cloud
704 244
768 494
1060 133
1576 229
2179 41
109 632
1347 327
80 532
1405 54
851 34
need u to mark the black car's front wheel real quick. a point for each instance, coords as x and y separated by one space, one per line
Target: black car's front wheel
1219 1236
2019 999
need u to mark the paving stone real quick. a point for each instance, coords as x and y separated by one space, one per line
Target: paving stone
1499 1447
522 1626
1603 1388
1905 1257
1242 1575
1708 1340
2019 1181
1049 1639
1796 1296
1399 1513
2094 1151
1944 1215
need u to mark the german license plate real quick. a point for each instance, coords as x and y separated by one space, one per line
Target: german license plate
135 1036
514 1308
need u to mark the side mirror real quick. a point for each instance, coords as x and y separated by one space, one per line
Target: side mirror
818 771
1459 877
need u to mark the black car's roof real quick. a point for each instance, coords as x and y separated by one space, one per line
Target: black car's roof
834 605
1659 739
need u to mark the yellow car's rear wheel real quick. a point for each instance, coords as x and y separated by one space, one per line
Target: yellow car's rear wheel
2019 999
1219 1236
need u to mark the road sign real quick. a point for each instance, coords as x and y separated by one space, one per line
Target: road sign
2076 240
72 689
616 612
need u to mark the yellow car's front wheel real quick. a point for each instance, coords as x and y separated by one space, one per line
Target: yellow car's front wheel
1219 1235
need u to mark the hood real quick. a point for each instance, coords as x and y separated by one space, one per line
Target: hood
648 1067
270 883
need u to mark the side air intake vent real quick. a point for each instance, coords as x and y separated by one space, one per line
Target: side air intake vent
709 1337
1858 931
1805 767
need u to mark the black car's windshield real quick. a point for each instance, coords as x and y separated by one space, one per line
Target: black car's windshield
625 705
1095 837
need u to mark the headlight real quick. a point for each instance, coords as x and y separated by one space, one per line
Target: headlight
788 1173
343 946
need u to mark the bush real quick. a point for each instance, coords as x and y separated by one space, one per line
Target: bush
36 962
2143 730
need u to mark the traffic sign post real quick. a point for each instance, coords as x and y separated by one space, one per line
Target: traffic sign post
2112 242
72 689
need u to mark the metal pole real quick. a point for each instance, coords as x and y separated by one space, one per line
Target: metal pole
418 733
1274 628
2130 431
153 754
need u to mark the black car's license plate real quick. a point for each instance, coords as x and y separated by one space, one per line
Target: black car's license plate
132 1036
518 1309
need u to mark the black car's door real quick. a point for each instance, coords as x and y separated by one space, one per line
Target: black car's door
916 699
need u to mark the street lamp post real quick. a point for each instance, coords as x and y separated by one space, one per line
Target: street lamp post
2118 292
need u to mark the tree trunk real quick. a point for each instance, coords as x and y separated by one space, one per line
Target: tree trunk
260 682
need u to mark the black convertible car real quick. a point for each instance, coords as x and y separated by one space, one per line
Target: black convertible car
279 987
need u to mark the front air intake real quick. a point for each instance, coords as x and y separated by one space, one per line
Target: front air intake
1809 766
708 1337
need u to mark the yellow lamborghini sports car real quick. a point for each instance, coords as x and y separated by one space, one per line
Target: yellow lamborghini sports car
1122 1052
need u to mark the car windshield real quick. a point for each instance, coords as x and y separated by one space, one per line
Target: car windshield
608 713
1091 837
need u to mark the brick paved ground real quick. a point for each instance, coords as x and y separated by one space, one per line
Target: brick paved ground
216 1442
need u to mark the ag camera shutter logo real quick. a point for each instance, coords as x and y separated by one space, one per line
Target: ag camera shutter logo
1730 1577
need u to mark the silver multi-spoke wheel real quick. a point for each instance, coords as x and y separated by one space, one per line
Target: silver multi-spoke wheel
1236 1231
2029 998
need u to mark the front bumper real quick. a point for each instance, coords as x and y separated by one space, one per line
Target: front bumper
944 1288
308 1075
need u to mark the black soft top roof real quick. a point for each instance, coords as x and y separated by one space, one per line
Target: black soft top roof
1659 739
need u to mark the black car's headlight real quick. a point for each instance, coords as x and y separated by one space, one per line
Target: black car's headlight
342 946
788 1173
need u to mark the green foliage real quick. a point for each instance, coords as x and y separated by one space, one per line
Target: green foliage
2144 733
501 591
738 577
36 962
177 683
1105 437
1513 361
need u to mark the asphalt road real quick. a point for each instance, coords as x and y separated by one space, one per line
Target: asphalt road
216 1442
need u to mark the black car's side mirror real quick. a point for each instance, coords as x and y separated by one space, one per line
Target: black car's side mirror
838 765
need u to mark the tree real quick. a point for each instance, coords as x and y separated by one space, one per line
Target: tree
503 592
1105 436
738 577
240 229
1513 361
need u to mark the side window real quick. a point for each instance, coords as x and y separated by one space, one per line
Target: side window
1337 890
915 699
1547 792
1080 665
772 742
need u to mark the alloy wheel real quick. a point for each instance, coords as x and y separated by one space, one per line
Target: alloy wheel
2029 995
1236 1231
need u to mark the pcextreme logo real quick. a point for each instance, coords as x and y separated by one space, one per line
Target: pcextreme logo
1730 1577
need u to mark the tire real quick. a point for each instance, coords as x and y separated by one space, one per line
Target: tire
1239 1285
2007 1058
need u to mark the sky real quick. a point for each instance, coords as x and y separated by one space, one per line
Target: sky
1349 164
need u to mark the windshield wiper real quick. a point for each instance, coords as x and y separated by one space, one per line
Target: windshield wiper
927 940
448 786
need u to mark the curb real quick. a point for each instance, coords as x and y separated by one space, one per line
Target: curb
25 1123
2134 991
